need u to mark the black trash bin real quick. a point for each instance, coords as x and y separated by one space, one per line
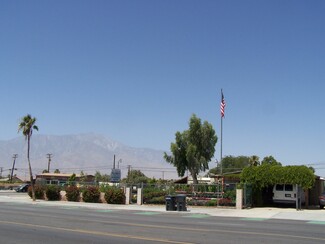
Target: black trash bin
170 203
181 202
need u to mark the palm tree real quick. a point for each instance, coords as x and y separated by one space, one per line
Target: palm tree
27 125
254 160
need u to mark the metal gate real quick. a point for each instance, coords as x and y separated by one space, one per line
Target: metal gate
248 195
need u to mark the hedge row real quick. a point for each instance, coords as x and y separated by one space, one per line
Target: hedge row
112 195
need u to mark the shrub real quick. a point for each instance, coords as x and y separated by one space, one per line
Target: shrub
156 200
114 195
39 191
53 192
212 202
151 193
72 193
91 194
224 202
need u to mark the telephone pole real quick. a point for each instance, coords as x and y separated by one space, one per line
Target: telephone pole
49 156
13 166
129 169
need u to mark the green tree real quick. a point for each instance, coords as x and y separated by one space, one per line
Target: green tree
57 171
254 160
135 177
270 160
102 178
231 164
27 125
44 171
83 176
193 149
72 180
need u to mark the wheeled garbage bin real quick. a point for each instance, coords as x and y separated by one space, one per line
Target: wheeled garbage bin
170 203
181 202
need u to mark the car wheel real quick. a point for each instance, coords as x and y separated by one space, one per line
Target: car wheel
321 206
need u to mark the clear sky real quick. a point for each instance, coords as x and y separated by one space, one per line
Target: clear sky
135 71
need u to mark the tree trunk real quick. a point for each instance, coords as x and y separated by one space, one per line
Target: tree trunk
30 169
194 176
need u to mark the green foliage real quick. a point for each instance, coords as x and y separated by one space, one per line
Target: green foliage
91 194
57 171
72 193
212 203
152 195
254 160
230 194
114 195
270 160
231 164
53 192
135 177
39 191
72 179
102 178
193 149
268 174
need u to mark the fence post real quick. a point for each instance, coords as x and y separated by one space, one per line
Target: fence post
139 196
127 195
239 198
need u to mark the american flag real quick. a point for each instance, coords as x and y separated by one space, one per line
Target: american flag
222 105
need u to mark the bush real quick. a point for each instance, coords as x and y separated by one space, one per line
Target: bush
91 194
225 202
212 202
53 193
156 200
39 191
153 195
72 193
114 195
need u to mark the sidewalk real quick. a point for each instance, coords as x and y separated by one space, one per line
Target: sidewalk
316 215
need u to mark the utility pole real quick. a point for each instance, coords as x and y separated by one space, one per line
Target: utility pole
129 169
49 155
13 166
1 168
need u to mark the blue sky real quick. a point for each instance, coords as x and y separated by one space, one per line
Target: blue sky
136 71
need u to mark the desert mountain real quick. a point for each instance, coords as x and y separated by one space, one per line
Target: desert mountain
84 152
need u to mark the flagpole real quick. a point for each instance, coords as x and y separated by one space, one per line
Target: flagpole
221 137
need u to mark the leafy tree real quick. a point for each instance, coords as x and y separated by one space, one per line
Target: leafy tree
72 179
135 177
102 178
45 171
231 164
270 160
27 125
83 176
57 171
193 149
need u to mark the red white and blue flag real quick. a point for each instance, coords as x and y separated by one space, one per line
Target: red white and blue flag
222 105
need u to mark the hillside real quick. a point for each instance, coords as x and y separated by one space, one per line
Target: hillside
84 152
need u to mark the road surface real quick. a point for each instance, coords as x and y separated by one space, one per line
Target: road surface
32 224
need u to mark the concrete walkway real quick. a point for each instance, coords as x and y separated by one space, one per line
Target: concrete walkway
317 215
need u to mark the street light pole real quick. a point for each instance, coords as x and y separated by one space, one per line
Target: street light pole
13 166
118 163
49 155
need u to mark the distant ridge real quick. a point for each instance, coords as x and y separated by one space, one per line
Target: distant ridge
82 152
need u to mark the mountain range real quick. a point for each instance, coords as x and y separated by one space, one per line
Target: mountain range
83 152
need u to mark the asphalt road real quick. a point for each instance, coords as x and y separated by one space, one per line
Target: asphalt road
22 223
